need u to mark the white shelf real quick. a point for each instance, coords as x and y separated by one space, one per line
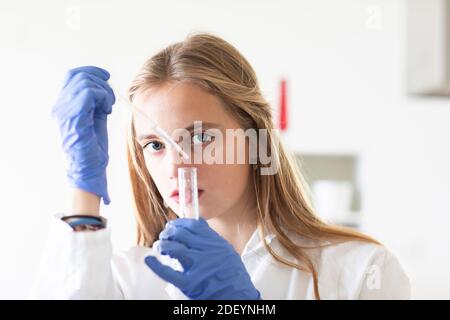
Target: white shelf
334 182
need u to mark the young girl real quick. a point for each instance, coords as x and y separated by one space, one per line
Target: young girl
258 236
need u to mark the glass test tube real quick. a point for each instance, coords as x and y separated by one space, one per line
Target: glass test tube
188 192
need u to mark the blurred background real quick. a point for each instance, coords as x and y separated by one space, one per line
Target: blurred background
363 85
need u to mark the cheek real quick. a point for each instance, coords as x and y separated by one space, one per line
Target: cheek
226 183
236 177
161 179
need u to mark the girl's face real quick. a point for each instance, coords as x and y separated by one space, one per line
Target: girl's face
224 189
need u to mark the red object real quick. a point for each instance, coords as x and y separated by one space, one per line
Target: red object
283 106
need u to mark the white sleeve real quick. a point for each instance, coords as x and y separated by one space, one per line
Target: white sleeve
384 278
76 265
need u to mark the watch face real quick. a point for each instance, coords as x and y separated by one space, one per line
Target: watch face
87 227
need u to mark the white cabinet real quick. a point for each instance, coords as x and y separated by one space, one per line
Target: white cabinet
428 47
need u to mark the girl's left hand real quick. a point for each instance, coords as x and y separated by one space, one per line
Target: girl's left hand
212 268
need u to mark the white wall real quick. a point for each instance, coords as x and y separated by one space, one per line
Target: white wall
345 61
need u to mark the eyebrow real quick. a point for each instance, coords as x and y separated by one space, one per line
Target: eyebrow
204 125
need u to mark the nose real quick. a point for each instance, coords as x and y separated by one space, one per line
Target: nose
175 161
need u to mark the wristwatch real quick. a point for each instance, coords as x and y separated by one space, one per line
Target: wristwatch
80 222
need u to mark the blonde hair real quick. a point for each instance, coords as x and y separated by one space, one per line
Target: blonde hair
282 203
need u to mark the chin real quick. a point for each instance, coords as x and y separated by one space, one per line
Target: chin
207 214
205 211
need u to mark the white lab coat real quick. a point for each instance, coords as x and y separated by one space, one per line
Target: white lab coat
81 265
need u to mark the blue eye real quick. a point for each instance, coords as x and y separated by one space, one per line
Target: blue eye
202 137
154 146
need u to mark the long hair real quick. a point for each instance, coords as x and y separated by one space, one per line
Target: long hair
282 202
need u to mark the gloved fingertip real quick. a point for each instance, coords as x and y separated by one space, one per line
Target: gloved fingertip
108 75
149 260
104 71
106 199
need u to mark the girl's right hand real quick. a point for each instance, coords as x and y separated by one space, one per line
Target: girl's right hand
212 269
81 112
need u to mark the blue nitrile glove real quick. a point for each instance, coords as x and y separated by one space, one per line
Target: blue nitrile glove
81 110
212 268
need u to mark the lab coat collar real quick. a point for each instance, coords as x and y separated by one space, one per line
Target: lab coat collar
255 243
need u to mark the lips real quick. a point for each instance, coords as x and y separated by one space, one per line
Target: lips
175 195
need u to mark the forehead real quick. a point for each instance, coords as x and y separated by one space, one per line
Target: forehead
178 105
